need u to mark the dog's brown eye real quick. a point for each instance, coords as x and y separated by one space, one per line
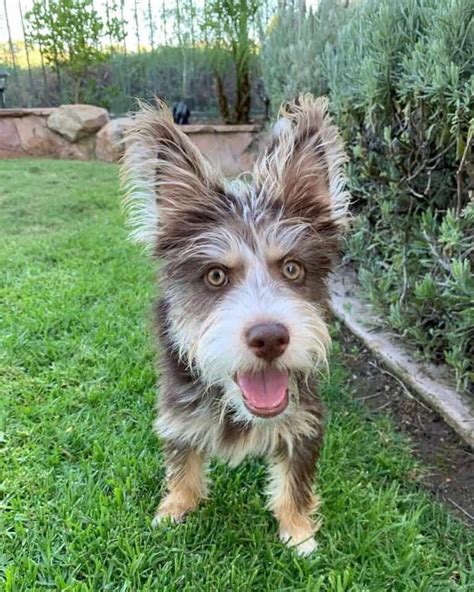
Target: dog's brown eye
293 271
216 277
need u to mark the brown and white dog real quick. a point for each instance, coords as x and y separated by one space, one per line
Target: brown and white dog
244 296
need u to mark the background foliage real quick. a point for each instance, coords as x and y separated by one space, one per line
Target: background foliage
170 72
402 87
106 54
293 52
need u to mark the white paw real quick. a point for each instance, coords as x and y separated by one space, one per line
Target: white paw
162 518
157 520
304 547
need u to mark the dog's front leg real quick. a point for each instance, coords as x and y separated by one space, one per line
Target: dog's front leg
185 481
292 499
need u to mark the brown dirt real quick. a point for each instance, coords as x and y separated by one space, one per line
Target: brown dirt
449 461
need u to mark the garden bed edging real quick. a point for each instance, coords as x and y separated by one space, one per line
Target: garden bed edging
426 380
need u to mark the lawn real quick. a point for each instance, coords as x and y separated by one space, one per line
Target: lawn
81 471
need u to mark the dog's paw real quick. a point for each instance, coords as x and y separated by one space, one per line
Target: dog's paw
303 543
172 510
175 517
163 517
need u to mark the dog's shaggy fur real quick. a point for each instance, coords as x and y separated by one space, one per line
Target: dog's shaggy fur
243 302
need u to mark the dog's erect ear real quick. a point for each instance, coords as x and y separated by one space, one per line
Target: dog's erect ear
302 166
164 174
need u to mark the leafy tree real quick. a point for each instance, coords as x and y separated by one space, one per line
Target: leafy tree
70 34
227 26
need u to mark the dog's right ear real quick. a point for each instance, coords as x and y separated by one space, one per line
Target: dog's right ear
165 176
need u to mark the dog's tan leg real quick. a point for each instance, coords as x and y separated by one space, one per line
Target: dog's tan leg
185 481
292 499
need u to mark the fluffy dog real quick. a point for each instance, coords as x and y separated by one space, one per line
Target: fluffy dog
244 297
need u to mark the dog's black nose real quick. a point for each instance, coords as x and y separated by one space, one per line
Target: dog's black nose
268 340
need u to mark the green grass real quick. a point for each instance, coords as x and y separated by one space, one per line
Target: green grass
81 471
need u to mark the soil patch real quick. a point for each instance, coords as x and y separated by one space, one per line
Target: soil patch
449 460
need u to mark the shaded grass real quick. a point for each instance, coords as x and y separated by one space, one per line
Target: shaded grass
81 470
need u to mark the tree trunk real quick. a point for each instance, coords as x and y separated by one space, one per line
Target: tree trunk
124 32
241 53
45 77
107 20
222 101
27 52
151 26
78 89
243 99
242 75
10 42
58 78
137 25
164 21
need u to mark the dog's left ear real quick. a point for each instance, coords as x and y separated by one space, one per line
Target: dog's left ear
302 168
166 178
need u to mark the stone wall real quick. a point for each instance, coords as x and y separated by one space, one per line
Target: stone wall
85 132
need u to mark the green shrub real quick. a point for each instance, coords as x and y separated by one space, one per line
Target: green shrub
401 83
399 75
293 53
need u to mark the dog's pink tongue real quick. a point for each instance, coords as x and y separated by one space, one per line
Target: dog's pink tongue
264 390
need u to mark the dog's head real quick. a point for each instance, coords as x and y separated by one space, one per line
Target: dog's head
245 265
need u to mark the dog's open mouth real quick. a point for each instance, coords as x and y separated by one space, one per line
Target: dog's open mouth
265 393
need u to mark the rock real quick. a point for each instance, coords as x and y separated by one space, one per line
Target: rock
109 146
77 121
10 143
84 149
35 137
